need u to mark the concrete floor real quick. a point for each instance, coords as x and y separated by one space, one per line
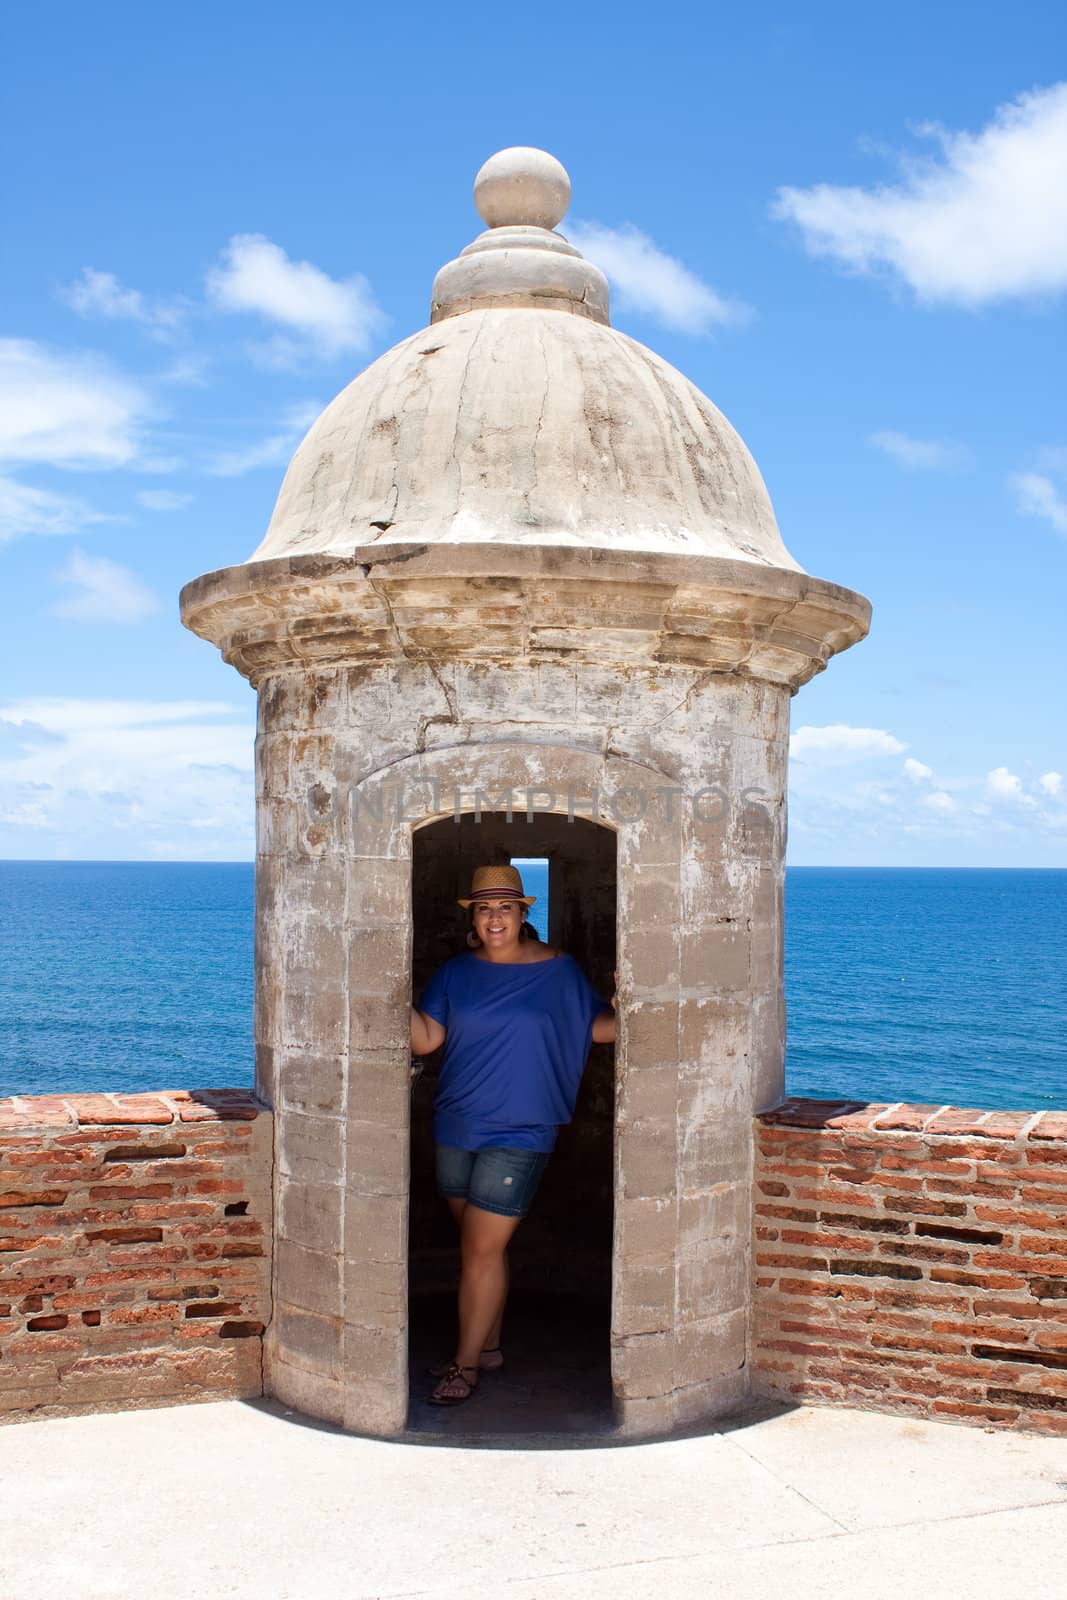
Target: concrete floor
556 1379
243 1499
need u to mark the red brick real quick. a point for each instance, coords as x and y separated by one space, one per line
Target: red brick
160 1311
117 1192
1052 1125
33 1197
910 1118
1005 1124
120 1109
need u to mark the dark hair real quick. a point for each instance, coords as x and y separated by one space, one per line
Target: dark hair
526 928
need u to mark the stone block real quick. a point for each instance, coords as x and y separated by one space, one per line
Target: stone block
378 1022
375 1355
376 1293
711 1284
718 1217
378 1409
642 1366
651 965
710 1349
306 1339
489 692
376 1158
375 1228
715 957
648 1159
767 1034
379 1086
314 1022
374 817
379 962
379 891
713 1150
644 1419
649 1031
309 1147
311 1083
644 1302
313 1393
315 955
648 897
310 1214
727 1396
266 1073
713 1035
308 1279
648 1093
646 1230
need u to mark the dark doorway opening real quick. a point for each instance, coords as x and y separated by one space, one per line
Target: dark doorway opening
556 1337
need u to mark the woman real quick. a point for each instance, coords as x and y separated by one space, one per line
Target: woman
516 1018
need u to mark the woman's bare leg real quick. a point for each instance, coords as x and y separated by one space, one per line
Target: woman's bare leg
483 1281
482 1284
458 1206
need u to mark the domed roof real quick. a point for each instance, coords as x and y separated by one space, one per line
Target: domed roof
520 416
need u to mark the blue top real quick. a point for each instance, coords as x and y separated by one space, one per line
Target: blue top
517 1038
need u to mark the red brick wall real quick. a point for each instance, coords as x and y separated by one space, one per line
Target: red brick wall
134 1249
913 1258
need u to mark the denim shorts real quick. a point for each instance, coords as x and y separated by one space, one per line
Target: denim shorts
496 1179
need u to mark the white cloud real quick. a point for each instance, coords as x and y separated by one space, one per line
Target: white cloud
1004 785
328 316
917 771
1050 782
931 454
103 592
24 509
163 500
983 219
127 779
648 280
274 450
64 408
839 744
100 294
1037 496
938 801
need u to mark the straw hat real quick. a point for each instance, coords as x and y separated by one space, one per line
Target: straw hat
497 883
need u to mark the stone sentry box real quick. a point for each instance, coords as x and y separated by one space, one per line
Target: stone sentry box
521 556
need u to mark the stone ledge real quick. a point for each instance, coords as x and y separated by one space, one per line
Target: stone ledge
25 1113
479 601
860 1116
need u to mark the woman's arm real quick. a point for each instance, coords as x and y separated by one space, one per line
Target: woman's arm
604 1023
604 1028
426 1032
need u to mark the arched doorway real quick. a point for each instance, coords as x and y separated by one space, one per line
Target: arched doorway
557 1335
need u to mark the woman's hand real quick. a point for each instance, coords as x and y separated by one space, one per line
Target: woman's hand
427 1034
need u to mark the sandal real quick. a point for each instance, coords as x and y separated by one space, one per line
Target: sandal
483 1364
454 1375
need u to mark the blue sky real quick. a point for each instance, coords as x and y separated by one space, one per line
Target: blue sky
846 224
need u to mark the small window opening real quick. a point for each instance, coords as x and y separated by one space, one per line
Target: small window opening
533 870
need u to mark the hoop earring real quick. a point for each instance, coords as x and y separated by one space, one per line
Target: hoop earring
473 940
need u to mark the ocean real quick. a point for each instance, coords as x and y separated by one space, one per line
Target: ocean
937 985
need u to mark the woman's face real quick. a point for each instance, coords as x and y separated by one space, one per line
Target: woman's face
497 922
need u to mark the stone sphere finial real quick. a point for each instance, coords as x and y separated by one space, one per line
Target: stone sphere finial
522 187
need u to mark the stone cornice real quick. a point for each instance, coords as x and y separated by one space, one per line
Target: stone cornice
499 602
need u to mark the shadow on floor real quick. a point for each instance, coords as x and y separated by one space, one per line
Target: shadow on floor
556 1378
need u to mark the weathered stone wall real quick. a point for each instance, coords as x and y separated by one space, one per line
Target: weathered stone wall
688 768
913 1258
135 1247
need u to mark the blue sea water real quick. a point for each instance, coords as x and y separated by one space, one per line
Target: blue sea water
935 985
